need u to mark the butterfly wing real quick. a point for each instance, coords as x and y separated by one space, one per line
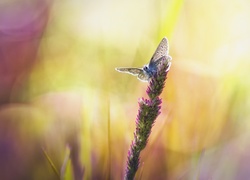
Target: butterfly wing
166 58
132 71
143 76
161 50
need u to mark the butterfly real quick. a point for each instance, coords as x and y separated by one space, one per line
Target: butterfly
147 71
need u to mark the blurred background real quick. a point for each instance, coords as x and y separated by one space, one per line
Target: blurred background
59 89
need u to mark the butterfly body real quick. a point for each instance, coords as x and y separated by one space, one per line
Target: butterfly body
144 74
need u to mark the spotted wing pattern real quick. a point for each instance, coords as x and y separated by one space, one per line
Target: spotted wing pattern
133 71
141 75
144 77
161 50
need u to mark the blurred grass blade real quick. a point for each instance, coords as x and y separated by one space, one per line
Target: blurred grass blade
51 163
